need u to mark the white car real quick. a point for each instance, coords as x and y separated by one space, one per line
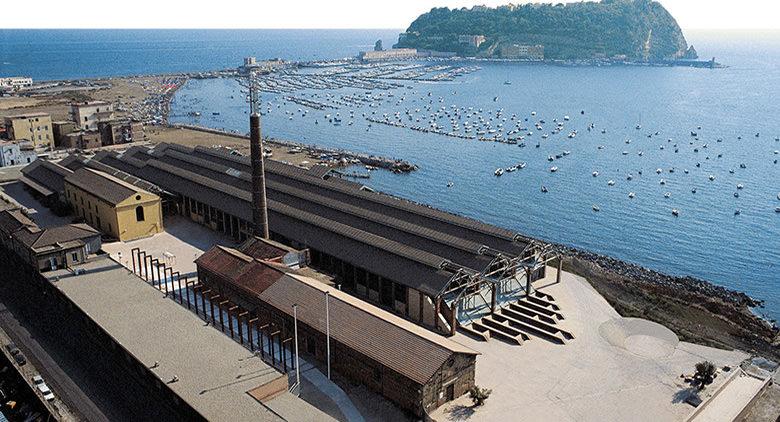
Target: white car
45 391
37 380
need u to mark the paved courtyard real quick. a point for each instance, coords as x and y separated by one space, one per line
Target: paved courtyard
594 377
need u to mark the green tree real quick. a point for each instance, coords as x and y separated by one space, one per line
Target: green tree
479 395
705 374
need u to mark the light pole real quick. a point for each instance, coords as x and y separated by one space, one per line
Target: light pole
327 328
297 366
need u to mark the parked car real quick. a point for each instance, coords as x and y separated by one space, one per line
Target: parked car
44 389
20 359
12 349
38 380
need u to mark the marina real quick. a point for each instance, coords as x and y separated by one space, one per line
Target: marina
460 131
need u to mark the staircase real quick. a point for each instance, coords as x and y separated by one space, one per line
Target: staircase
529 317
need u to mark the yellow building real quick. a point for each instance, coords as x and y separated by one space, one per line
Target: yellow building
35 127
113 206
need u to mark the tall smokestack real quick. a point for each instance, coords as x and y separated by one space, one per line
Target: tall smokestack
259 201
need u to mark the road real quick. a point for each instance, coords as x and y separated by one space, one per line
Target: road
62 385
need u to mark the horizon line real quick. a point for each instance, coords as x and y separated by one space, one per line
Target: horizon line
301 29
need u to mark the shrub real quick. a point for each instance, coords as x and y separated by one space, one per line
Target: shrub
479 395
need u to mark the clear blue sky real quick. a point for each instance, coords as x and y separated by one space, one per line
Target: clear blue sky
691 14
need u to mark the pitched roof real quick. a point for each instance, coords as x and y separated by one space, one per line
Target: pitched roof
238 269
36 238
12 220
45 177
394 342
266 249
103 186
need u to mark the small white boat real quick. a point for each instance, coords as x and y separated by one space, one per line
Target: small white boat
712 177
499 172
777 210
631 195
544 189
693 190
596 208
675 212
595 174
662 182
658 171
740 186
611 183
553 169
736 194
737 212
668 195
521 165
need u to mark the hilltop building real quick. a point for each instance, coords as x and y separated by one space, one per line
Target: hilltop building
113 206
87 114
34 127
521 51
472 40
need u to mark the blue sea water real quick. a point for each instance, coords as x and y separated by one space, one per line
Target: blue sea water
707 240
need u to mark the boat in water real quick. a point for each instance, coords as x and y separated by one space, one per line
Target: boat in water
499 172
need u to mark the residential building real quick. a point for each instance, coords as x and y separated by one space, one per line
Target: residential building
14 153
82 140
87 114
120 131
392 54
60 130
35 127
113 206
522 52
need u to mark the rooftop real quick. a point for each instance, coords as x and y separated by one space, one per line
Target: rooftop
395 342
41 240
26 115
214 373
104 186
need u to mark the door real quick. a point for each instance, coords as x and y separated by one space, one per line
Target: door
450 394
53 263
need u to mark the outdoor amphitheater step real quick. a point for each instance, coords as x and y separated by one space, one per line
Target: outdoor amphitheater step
532 313
478 332
544 328
540 309
543 295
514 308
502 331
542 302
528 329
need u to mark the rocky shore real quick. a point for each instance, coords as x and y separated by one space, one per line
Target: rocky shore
697 310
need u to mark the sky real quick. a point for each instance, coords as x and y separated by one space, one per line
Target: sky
690 14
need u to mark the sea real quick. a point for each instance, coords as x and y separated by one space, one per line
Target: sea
730 240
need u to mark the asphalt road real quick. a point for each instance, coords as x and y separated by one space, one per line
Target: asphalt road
62 385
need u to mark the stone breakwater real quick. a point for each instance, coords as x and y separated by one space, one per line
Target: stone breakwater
644 275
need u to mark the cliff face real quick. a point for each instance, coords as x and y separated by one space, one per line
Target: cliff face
638 29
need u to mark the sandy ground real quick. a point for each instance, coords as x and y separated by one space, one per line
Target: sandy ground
192 138
589 378
122 92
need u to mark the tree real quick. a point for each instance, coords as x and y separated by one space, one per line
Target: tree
479 395
705 374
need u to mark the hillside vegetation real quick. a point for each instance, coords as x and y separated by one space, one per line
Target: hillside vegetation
638 29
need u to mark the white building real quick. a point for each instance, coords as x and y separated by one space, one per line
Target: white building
15 82
16 153
87 114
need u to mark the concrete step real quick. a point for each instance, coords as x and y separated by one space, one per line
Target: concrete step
527 329
539 309
532 314
478 332
543 326
502 331
543 295
541 302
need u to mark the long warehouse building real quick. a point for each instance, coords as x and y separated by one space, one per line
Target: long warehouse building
417 261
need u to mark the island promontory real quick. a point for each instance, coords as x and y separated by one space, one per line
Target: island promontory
609 29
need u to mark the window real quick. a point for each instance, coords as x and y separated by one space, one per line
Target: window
139 213
74 257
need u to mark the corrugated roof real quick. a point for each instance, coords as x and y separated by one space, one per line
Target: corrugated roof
398 344
239 269
45 176
12 220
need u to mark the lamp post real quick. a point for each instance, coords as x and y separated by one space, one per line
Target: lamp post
327 328
297 366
